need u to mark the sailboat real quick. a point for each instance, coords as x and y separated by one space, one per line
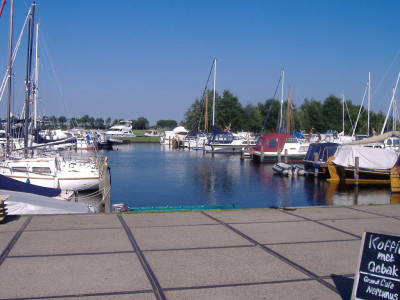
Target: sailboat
196 139
52 171
272 146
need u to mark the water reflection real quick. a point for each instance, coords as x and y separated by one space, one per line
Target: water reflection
155 175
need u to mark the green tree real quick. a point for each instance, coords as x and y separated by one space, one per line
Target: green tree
62 120
83 122
140 123
166 123
332 114
270 112
108 121
253 118
312 116
99 123
229 112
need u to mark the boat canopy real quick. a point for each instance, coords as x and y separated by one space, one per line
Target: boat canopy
324 151
221 137
369 158
271 142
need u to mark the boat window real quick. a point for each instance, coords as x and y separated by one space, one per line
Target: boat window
389 142
41 170
291 140
19 169
259 142
272 143
396 142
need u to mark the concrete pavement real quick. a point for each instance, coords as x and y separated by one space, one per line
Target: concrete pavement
304 253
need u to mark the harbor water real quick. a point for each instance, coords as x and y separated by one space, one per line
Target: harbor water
157 175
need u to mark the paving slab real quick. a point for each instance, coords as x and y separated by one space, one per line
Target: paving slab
151 219
118 296
176 237
385 210
253 215
12 223
290 232
207 267
359 226
325 258
63 222
71 275
71 242
306 290
326 213
5 239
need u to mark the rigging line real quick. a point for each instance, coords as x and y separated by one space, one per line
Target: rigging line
387 71
348 113
14 55
361 107
266 118
201 99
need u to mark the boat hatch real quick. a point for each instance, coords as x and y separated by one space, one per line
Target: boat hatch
41 170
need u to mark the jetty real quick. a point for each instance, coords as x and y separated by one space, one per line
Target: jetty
295 253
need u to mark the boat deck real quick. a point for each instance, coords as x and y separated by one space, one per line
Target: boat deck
304 253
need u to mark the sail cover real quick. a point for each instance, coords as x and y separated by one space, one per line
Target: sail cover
369 158
19 203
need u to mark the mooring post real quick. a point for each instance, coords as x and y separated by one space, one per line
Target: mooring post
356 169
285 159
261 154
316 156
279 155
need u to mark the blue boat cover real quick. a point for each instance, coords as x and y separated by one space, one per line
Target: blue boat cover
18 186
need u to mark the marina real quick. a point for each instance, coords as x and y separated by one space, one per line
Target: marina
145 175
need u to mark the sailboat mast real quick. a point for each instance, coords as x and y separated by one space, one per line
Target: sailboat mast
369 100
215 79
288 113
36 84
281 115
343 113
206 113
28 79
391 103
8 131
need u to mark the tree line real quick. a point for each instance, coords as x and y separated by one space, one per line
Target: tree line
311 115
88 122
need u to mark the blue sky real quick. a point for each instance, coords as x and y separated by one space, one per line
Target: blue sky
127 59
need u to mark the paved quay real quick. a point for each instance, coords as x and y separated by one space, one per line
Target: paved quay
304 253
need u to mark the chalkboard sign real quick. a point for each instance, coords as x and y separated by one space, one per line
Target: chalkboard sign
378 275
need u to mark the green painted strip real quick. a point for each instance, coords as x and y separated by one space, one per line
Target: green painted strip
182 208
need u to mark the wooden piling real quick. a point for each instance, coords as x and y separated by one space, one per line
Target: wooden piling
279 155
356 170
316 156
285 158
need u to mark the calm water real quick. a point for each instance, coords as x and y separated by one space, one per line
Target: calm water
156 175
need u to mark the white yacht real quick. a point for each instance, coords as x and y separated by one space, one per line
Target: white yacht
122 129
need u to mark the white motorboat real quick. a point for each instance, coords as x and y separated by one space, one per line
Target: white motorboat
152 133
228 142
195 140
122 129
178 134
